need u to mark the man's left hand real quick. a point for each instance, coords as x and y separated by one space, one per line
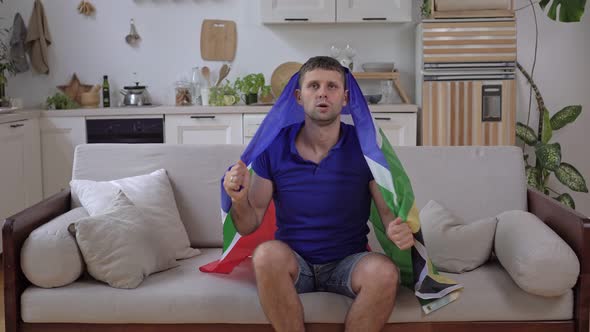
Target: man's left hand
400 233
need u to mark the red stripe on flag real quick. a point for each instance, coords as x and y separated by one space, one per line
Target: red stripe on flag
245 245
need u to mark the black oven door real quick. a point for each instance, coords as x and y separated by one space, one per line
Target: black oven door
125 130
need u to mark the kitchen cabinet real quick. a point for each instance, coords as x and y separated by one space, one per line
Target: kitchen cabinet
373 11
59 138
297 11
20 169
331 11
399 128
203 129
251 124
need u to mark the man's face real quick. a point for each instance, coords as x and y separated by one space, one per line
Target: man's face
322 95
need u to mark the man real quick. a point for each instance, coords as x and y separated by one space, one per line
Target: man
322 187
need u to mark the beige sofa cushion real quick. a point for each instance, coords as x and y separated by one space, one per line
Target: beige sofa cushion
120 247
538 260
151 193
454 245
186 295
50 256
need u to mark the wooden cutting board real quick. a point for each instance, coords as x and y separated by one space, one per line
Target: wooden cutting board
218 40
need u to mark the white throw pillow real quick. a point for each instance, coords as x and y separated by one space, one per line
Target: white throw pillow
119 247
454 245
151 193
538 260
49 256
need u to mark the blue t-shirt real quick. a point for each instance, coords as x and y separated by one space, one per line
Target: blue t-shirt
321 209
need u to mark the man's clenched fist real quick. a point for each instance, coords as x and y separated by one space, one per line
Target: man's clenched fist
237 181
400 233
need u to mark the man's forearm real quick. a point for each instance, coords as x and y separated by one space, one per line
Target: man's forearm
244 217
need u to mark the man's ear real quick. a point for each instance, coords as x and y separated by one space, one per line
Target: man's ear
298 96
345 98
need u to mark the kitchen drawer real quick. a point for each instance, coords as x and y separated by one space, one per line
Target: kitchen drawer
203 129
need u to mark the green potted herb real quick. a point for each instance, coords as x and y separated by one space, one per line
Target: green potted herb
59 101
223 95
249 86
266 94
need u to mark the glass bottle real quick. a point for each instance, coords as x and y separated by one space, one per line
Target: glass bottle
196 86
106 92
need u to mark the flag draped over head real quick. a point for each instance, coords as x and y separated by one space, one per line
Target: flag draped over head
417 272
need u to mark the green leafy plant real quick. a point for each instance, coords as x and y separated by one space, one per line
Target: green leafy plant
250 84
548 158
59 101
224 95
6 64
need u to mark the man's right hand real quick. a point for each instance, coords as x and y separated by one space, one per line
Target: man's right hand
237 182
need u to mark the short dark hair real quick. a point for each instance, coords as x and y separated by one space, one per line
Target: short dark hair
321 62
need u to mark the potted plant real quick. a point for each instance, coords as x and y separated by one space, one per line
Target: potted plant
60 101
249 86
223 95
546 156
266 94
6 66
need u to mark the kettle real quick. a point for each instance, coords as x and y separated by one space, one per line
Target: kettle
136 95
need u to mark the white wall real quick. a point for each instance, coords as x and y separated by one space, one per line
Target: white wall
562 74
170 31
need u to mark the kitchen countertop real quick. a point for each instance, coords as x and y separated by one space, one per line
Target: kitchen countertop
165 109
18 115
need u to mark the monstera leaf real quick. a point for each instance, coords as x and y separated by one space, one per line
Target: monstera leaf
549 155
569 10
569 175
567 115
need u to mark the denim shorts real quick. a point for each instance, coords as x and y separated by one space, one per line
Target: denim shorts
333 277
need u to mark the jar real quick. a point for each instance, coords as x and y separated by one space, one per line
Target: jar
183 93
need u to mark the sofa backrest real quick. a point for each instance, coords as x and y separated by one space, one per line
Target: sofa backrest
473 182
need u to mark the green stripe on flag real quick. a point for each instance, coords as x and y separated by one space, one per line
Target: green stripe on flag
229 231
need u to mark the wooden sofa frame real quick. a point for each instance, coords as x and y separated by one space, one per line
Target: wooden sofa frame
573 227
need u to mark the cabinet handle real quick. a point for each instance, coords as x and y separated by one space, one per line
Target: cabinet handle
382 118
289 19
374 19
202 116
16 125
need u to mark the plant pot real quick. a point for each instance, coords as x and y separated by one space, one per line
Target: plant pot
266 99
251 98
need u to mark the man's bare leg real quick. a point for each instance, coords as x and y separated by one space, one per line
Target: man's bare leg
374 280
276 270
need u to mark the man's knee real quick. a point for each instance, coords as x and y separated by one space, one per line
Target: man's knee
378 271
272 255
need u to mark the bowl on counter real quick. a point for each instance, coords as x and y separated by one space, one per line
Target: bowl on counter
373 99
378 66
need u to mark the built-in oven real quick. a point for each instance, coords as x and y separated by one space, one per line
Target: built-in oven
125 129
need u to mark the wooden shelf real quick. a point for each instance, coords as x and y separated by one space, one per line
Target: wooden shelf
392 75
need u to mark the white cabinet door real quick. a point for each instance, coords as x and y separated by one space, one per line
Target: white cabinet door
59 137
294 11
12 168
20 169
203 129
373 11
399 128
251 124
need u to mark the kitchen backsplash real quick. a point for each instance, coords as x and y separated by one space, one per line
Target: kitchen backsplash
169 47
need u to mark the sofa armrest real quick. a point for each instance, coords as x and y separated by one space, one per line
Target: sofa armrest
574 229
15 231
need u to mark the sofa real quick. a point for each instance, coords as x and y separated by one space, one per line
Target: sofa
474 182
